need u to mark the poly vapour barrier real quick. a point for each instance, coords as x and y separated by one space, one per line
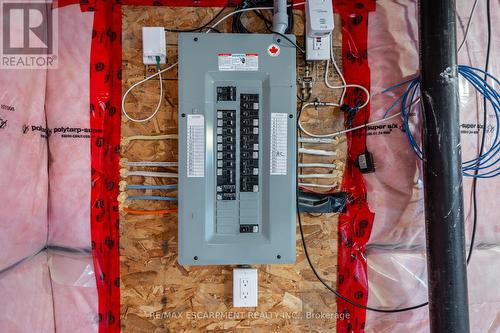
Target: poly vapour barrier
26 294
397 274
68 120
23 157
74 291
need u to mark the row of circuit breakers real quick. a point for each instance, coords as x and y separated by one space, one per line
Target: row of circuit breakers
237 149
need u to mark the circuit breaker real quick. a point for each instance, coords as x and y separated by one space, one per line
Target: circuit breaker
237 149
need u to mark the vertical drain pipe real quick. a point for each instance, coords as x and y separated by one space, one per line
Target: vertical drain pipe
280 17
444 216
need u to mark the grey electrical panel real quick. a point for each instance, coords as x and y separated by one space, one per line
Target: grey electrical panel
237 149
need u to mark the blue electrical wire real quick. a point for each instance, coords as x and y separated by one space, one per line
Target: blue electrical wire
151 197
488 162
151 187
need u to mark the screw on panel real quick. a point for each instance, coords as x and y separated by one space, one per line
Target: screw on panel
278 256
196 39
183 115
195 258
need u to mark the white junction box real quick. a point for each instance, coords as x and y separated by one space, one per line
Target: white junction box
319 27
245 284
154 45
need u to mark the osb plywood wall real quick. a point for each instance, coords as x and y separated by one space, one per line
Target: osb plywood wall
158 294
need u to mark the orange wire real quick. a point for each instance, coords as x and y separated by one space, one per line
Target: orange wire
150 212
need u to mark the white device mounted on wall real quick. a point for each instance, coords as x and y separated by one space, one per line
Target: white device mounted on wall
154 45
319 27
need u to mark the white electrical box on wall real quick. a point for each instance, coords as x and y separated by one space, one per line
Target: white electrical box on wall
319 27
245 284
154 45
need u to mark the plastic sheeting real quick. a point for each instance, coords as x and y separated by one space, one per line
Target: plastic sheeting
397 274
67 112
23 157
47 280
54 290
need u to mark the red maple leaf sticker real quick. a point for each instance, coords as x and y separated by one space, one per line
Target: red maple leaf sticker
273 50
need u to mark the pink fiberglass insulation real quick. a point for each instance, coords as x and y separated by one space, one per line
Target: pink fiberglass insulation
68 117
23 157
397 274
45 144
74 290
26 296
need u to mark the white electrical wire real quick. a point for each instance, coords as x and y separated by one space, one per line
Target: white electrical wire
139 83
317 185
246 10
319 152
316 140
151 164
346 130
124 173
318 175
344 86
317 165
126 140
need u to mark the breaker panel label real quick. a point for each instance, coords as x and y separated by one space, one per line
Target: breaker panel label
238 62
195 145
279 143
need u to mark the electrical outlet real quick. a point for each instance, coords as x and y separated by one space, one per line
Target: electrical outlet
245 287
318 48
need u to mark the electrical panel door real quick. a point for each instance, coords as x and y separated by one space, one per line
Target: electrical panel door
237 149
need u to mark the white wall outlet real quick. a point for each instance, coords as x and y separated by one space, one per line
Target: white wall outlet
245 284
318 48
319 27
154 45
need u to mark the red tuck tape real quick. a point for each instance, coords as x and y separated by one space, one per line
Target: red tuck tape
105 97
356 223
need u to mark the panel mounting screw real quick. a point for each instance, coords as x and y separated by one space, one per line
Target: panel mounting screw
290 116
278 40
196 39
183 115
278 256
195 258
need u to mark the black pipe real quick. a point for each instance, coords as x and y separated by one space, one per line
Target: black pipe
444 217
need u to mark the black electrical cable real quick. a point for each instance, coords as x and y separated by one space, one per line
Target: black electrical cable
369 308
483 136
290 41
239 27
203 26
466 31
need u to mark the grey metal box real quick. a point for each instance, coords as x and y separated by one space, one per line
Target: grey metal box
237 149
